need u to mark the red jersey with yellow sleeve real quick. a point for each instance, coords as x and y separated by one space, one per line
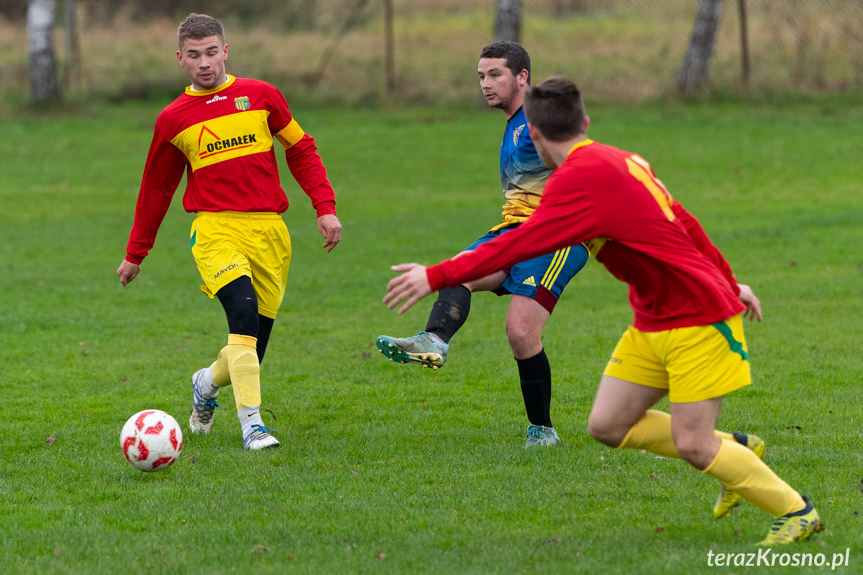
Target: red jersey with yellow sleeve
223 141
612 200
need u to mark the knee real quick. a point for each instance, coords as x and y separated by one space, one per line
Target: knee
522 339
241 311
698 452
605 430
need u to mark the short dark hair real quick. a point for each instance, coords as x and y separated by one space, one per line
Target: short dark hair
556 108
197 26
517 58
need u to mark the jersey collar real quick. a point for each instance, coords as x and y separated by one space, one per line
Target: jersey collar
220 87
586 142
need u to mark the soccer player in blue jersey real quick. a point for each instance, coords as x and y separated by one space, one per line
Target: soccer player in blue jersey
536 284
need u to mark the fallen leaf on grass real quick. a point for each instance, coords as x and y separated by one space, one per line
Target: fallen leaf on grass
51 439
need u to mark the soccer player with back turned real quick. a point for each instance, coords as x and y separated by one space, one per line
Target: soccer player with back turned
221 133
686 340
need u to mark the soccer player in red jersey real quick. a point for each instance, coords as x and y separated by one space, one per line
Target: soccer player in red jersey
686 340
221 134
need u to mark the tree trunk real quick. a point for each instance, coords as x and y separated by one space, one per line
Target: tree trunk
72 52
507 23
44 84
693 75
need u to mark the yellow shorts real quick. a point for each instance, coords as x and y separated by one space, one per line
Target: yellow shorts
227 245
692 363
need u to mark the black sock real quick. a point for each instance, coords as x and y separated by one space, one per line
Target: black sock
535 375
449 312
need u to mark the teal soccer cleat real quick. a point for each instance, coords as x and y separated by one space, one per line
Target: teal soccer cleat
541 435
422 348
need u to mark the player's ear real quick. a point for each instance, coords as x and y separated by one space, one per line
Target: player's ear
586 123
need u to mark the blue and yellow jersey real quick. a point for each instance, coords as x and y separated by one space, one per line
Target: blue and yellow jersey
522 172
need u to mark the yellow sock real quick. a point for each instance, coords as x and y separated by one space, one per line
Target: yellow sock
238 364
221 373
744 472
653 433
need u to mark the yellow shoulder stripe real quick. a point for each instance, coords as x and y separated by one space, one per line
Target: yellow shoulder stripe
290 134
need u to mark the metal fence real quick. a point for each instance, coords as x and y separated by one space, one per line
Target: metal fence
425 50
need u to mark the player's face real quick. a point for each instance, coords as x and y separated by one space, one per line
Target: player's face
500 87
204 61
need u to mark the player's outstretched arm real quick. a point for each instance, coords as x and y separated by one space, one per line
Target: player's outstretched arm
331 230
412 285
753 306
127 272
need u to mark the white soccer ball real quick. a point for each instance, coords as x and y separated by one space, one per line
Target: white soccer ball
151 440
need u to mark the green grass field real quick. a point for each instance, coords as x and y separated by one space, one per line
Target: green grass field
393 469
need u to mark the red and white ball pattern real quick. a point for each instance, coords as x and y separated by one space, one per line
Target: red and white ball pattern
151 440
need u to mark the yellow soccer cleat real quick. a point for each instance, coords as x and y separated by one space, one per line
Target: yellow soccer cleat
794 526
728 498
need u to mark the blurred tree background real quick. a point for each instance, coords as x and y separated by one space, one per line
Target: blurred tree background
374 52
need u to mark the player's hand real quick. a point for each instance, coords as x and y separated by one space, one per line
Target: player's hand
127 272
412 285
753 306
331 230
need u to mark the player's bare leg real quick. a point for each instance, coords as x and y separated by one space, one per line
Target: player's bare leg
618 406
693 438
525 320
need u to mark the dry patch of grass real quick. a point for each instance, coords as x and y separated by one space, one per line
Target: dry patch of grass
622 50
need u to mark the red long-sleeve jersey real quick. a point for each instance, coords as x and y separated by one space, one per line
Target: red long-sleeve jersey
223 140
612 200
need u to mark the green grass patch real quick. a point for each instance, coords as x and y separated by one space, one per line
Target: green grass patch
389 468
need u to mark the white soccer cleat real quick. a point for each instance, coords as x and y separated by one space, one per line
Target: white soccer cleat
201 418
260 438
